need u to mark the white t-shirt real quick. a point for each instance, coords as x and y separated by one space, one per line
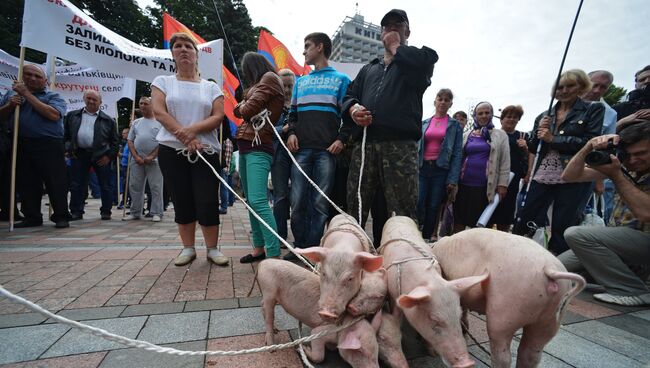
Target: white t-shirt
188 103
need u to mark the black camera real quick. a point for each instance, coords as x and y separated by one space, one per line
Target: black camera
601 157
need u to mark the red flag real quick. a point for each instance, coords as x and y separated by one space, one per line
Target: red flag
230 82
278 54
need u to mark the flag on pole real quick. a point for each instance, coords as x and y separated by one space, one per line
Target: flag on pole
230 82
278 54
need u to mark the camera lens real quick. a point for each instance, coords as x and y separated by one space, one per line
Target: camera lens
597 157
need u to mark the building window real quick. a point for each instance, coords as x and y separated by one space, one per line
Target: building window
358 30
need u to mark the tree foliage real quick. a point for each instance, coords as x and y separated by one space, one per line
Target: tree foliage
201 17
614 94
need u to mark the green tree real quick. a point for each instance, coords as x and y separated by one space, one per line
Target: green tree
201 17
11 25
614 94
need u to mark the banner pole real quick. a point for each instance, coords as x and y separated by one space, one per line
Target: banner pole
117 163
52 63
14 152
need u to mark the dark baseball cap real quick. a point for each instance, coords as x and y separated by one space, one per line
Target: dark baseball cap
397 13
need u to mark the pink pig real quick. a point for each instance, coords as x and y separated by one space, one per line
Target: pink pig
389 339
357 344
296 289
372 294
416 288
343 256
528 288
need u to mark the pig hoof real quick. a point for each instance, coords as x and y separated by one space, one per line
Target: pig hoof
269 339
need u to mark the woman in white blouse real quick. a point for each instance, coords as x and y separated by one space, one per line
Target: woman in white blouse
190 109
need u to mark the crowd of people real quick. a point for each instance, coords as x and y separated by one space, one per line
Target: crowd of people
411 167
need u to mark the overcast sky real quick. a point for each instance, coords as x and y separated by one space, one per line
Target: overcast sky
505 52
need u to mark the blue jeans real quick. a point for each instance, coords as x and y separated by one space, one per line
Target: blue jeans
319 165
609 199
432 185
79 183
280 174
224 193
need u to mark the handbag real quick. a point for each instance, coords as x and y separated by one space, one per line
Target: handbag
592 219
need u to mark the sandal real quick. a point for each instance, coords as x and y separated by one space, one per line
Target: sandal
249 258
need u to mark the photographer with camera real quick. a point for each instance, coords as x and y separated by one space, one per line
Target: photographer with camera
637 106
608 253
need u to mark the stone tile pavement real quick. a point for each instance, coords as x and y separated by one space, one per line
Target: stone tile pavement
119 276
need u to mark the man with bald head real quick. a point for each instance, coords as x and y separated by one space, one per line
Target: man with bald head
91 140
40 146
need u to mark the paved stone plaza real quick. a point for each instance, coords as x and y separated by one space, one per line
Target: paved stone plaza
119 276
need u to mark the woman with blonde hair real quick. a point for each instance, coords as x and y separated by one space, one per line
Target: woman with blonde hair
571 124
190 109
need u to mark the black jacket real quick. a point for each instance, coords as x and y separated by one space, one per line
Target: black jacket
583 122
105 138
393 94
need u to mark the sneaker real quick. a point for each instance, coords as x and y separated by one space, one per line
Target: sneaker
223 211
130 218
624 300
148 215
156 218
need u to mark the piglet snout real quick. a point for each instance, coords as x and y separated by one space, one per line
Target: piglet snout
327 315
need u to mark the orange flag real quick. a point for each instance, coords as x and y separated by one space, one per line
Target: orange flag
230 82
278 54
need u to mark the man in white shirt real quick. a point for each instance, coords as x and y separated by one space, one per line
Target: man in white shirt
143 163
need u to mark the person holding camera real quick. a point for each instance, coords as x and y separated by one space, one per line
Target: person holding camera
571 124
610 253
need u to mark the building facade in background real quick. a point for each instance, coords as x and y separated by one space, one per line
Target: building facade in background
356 41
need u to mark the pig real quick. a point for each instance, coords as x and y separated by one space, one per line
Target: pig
528 288
371 296
343 256
430 303
296 289
389 339
357 344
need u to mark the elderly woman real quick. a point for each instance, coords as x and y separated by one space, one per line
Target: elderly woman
485 168
255 141
504 215
190 110
572 123
440 156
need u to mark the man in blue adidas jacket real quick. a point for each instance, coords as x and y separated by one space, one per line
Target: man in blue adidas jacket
315 137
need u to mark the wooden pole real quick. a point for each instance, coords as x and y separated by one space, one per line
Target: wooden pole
14 153
52 61
128 165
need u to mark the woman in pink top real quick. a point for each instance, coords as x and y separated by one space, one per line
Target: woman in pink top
440 158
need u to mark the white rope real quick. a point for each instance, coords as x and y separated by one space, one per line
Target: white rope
250 209
301 350
159 349
363 161
353 221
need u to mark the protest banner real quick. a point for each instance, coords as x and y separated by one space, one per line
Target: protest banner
58 27
72 80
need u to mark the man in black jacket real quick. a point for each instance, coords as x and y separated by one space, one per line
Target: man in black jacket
386 97
91 140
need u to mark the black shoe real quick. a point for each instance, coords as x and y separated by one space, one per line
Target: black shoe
249 258
290 257
76 217
27 223
106 216
4 216
148 215
62 224
223 211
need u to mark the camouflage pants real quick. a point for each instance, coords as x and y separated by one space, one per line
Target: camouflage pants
391 167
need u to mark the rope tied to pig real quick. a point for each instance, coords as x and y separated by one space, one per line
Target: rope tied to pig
356 233
422 250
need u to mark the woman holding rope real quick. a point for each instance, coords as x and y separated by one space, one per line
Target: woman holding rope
573 122
190 109
255 140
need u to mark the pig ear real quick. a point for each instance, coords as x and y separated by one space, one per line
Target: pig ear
376 321
350 342
369 263
314 254
417 296
462 285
